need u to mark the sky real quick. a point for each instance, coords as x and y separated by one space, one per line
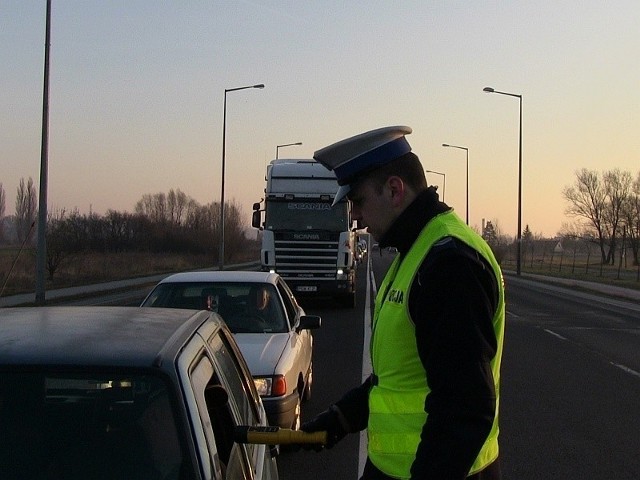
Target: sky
137 92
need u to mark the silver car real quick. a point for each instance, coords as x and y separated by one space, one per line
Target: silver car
272 330
125 392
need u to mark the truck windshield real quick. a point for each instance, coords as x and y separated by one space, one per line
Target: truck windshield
306 216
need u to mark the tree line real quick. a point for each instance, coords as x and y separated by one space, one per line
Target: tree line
160 223
606 207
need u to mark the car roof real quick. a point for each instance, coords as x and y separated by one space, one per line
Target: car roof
225 276
96 336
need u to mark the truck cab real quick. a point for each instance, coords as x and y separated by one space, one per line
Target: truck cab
311 244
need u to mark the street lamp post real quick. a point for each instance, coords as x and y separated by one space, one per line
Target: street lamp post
286 145
466 150
224 135
41 255
519 238
444 180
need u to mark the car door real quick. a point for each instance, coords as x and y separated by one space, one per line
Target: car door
244 403
302 341
215 394
195 370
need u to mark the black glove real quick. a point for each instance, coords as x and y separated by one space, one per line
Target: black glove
329 421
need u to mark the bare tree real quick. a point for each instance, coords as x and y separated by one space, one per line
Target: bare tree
617 186
154 207
26 210
177 204
235 227
498 242
203 222
57 241
587 199
631 215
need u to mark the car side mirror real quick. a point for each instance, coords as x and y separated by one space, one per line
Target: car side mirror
309 322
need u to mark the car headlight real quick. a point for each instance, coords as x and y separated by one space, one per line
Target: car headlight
271 386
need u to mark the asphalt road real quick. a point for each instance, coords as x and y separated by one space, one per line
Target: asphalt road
570 398
571 386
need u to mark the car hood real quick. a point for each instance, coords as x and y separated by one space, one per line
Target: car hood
262 352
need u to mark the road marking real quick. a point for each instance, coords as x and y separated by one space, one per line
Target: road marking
626 369
605 329
555 334
366 354
366 358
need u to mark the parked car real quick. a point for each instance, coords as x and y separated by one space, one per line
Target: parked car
125 392
271 328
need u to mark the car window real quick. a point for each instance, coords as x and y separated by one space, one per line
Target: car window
215 410
259 311
243 396
239 381
89 425
238 303
290 303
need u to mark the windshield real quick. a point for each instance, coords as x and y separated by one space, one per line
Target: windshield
306 216
246 307
88 425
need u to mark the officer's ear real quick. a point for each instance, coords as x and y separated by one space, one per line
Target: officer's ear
397 190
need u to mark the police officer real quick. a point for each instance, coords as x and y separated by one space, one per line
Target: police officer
430 406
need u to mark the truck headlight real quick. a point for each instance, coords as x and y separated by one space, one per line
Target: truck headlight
340 275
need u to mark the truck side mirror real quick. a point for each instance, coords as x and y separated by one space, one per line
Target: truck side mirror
256 206
256 218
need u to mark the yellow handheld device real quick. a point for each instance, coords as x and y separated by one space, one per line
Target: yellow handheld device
277 436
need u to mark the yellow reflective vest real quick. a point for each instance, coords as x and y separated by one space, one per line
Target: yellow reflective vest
396 401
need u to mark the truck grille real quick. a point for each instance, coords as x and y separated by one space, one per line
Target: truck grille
300 259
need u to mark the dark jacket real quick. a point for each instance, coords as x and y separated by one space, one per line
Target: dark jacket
452 302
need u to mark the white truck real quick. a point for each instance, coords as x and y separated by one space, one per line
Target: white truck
311 244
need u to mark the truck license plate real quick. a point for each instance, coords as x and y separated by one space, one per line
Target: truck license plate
306 288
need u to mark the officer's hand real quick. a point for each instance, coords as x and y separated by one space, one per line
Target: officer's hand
328 421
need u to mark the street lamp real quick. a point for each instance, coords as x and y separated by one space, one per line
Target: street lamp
467 150
286 145
519 240
41 255
224 135
444 180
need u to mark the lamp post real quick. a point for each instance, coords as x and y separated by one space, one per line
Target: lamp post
466 150
224 135
519 238
444 180
286 145
41 256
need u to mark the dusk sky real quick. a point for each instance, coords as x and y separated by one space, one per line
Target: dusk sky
137 91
